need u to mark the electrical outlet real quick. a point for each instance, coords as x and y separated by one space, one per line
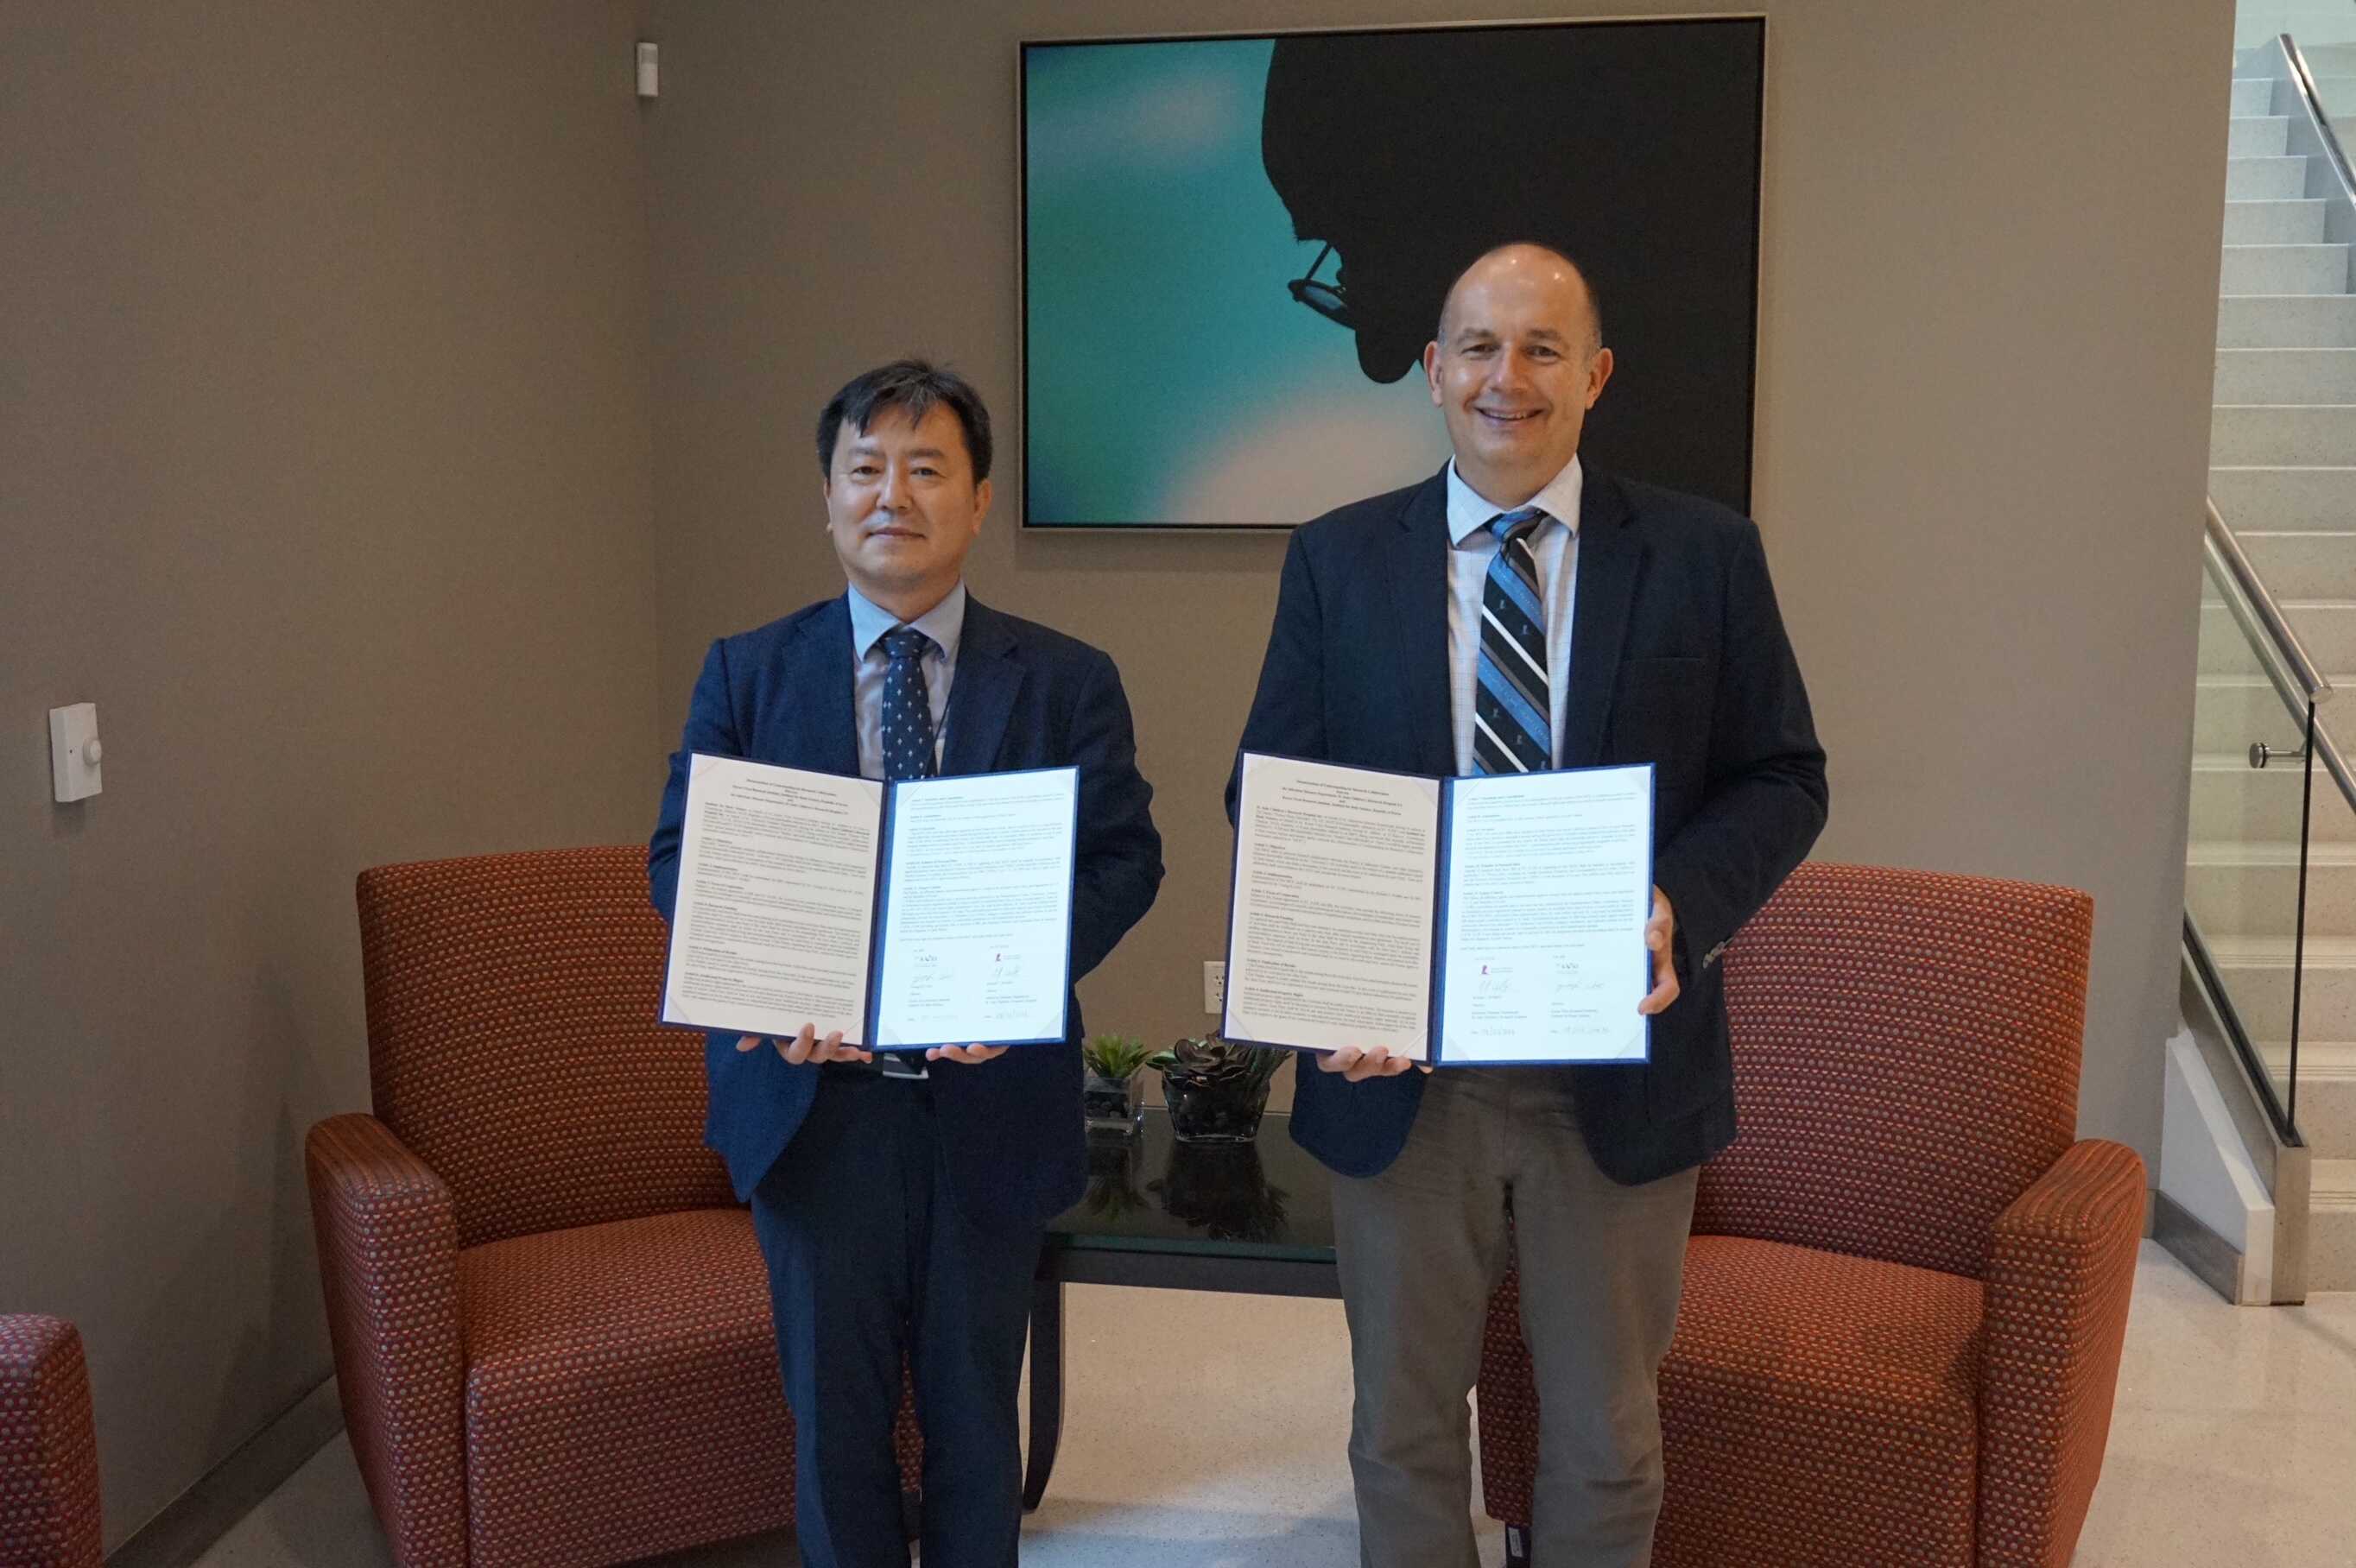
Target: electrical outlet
1214 986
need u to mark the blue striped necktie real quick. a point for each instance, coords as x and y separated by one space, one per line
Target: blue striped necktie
1512 730
907 709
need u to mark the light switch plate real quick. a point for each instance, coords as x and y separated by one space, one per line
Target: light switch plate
1214 986
74 752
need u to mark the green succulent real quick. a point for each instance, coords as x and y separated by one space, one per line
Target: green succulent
1214 1062
1114 1056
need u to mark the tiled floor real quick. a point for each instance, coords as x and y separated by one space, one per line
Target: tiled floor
1208 1432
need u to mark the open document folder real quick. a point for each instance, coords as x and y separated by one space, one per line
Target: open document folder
1496 919
930 911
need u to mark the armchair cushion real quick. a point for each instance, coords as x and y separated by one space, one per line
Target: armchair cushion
1820 1408
603 1363
1815 1408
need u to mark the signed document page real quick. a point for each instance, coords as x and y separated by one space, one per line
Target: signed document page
977 938
1330 932
777 901
1549 883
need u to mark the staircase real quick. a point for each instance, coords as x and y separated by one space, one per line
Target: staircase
2282 476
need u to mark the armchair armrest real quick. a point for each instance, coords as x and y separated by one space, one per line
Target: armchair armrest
48 1446
2060 1265
388 1236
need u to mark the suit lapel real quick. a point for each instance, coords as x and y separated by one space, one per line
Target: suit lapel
810 709
1418 563
982 695
1610 555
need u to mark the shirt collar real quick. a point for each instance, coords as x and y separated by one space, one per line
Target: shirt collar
944 623
1468 511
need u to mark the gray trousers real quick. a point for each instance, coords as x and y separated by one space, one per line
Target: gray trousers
1421 1247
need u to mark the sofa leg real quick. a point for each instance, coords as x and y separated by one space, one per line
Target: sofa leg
1517 1546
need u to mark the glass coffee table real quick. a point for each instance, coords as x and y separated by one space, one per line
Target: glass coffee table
1254 1218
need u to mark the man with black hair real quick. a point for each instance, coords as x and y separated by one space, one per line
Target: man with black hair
900 1204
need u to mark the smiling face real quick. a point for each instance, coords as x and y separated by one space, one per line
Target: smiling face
903 508
1514 370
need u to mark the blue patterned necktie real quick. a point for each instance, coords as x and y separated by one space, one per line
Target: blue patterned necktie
908 710
1511 725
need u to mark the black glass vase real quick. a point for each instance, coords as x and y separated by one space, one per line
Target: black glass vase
1214 1113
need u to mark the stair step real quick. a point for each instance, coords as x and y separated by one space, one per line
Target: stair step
2257 136
2265 179
2233 802
2284 270
2308 564
2288 434
2325 627
2228 712
2331 1225
2317 1058
2327 1091
2287 222
2287 321
2252 889
2270 499
2286 376
2256 972
2266 95
2327 59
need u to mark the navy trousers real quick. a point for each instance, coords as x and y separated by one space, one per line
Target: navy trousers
870 1257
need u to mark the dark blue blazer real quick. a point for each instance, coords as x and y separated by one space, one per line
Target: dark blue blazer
1024 696
1678 658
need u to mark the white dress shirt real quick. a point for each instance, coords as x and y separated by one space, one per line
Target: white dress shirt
1556 545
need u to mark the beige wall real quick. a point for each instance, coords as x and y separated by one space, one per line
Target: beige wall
1989 275
324 471
338 467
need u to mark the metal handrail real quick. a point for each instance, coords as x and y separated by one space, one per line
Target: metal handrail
2284 657
2215 991
2302 689
2334 156
2275 635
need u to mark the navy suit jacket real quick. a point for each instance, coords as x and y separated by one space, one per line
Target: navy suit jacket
1024 696
1678 658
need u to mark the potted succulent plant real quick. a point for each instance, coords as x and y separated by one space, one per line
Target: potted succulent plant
1111 1097
1215 1089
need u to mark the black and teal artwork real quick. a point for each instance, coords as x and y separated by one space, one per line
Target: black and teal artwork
1235 249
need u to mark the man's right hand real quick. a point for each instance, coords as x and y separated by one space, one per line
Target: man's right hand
807 1047
1358 1066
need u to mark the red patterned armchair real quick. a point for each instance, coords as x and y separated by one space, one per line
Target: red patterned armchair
550 1320
48 1449
1908 1280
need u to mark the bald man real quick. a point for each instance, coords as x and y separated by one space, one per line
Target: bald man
1517 612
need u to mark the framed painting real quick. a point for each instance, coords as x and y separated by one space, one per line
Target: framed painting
1234 251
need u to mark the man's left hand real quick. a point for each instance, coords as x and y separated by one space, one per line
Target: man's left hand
971 1055
1660 935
